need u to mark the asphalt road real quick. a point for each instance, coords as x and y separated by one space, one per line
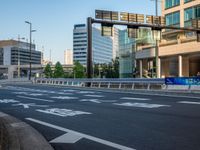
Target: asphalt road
78 119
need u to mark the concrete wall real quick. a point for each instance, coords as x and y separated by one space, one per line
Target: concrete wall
7 55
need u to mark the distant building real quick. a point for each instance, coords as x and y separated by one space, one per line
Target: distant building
102 46
115 39
15 58
12 51
68 57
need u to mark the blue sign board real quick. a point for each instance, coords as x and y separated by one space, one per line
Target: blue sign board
182 81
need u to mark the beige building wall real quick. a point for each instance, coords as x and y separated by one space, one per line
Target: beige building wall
68 57
179 53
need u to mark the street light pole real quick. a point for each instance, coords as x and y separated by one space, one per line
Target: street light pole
19 55
30 46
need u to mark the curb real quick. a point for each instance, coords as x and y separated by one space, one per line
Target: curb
18 135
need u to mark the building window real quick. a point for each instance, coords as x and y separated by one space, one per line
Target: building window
173 19
190 14
171 3
186 1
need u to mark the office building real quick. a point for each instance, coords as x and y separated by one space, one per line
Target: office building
179 51
115 39
68 57
15 58
126 55
102 47
12 51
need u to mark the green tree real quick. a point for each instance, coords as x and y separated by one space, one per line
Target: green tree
47 71
58 72
115 68
78 70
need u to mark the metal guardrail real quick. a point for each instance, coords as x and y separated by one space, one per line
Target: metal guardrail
128 83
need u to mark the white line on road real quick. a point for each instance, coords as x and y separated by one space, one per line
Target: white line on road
37 99
95 139
133 98
143 105
94 95
67 138
189 102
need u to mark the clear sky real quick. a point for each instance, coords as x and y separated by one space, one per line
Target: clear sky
54 19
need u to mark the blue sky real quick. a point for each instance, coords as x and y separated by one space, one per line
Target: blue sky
54 19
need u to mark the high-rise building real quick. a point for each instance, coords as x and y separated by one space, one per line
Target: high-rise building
126 55
179 51
115 39
68 57
102 47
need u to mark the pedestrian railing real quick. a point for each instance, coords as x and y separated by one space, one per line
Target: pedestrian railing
106 83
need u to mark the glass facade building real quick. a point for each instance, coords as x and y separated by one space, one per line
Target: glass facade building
126 55
173 19
171 3
102 46
190 14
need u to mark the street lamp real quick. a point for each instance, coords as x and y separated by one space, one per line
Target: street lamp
19 54
30 47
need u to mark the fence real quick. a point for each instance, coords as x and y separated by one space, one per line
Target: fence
129 83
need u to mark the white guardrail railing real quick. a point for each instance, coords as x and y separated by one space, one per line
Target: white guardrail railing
130 83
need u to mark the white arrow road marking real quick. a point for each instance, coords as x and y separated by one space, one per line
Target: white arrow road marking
8 101
29 105
37 99
144 105
64 97
63 112
189 102
92 138
94 95
67 138
133 98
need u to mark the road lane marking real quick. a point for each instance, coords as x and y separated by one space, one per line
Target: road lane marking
189 102
133 98
143 105
86 92
63 112
29 105
92 138
70 138
94 96
64 93
90 100
37 99
8 101
97 101
64 97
